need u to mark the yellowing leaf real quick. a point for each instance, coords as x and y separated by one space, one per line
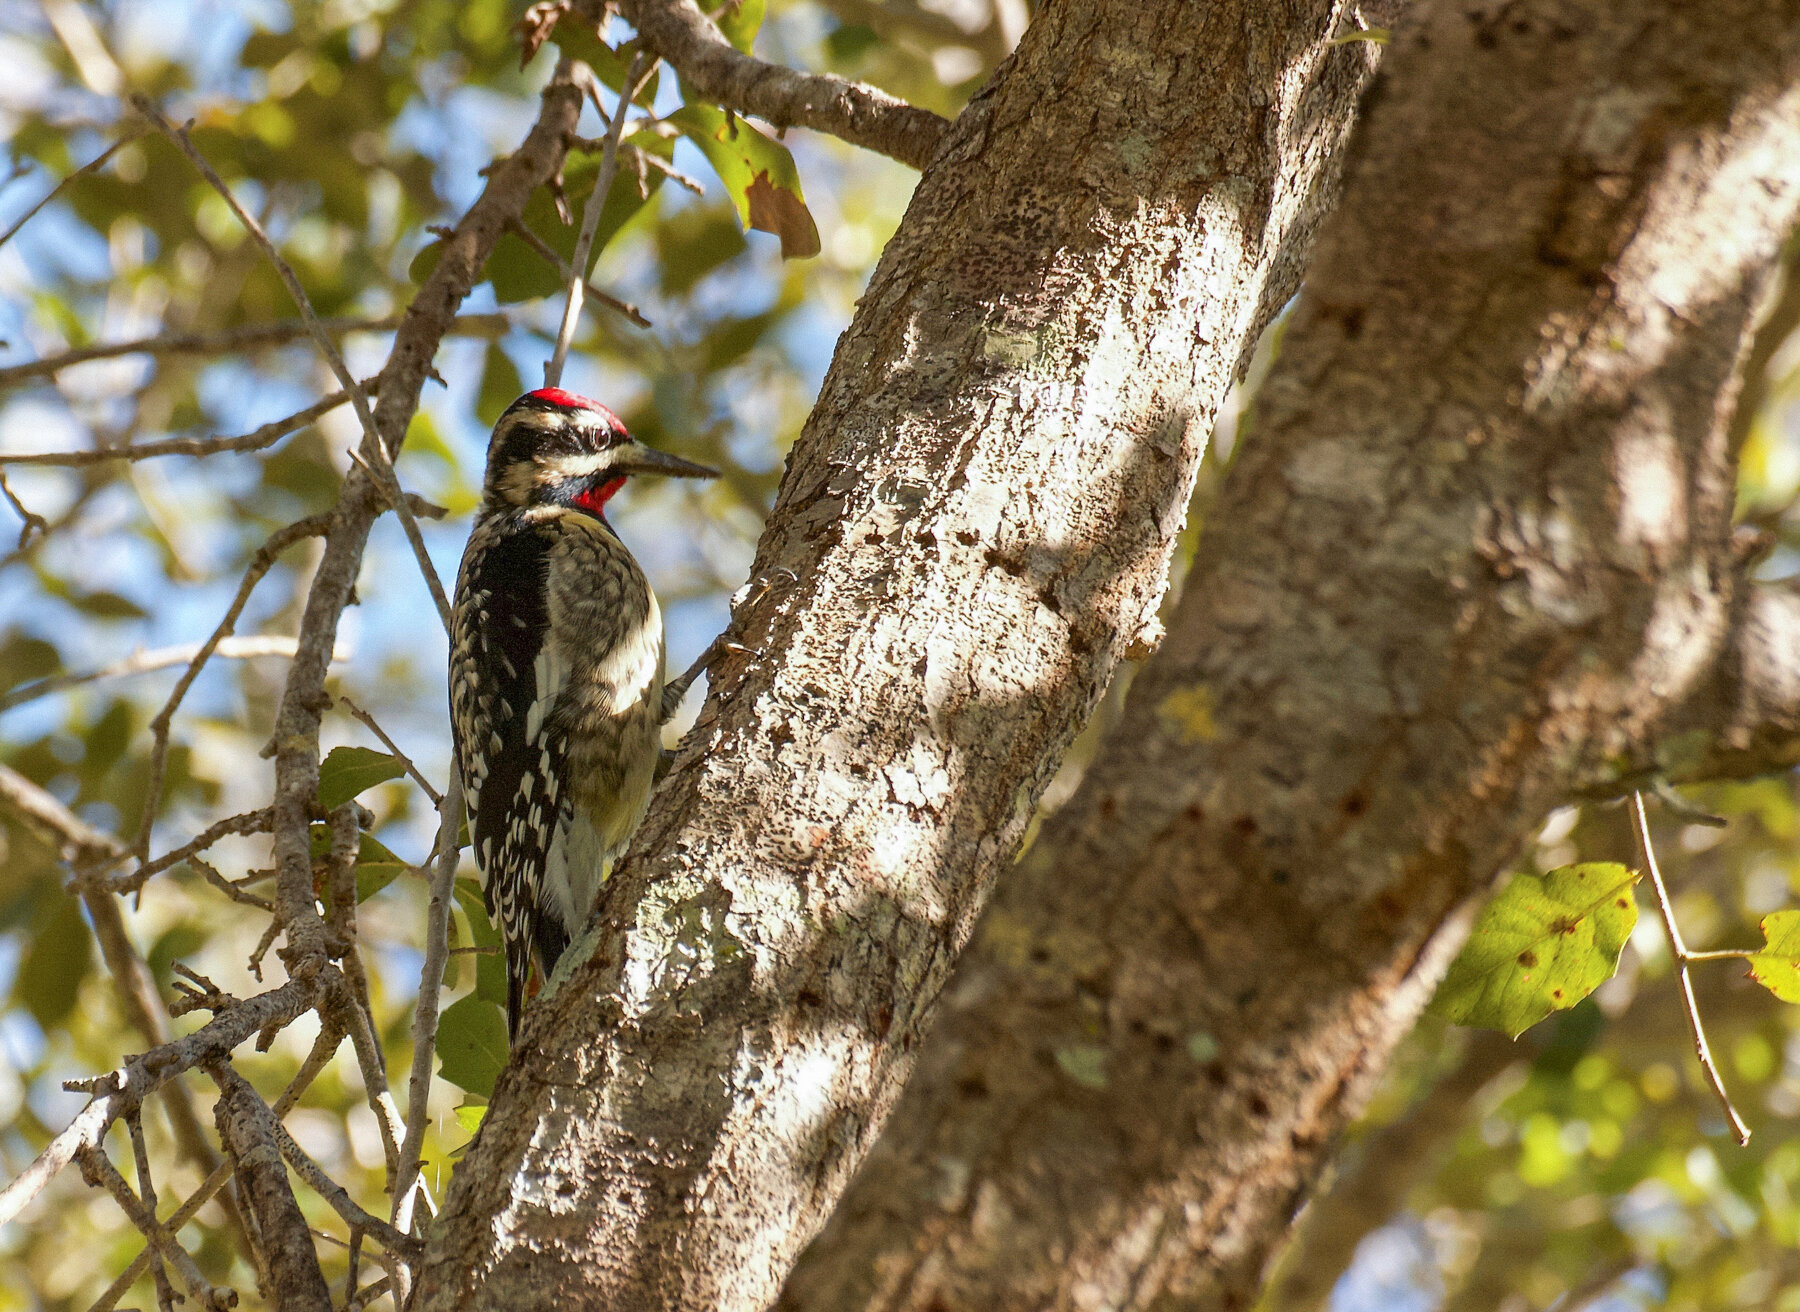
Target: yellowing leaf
758 173
1777 966
1542 944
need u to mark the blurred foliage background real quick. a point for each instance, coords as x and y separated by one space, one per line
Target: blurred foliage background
1584 1165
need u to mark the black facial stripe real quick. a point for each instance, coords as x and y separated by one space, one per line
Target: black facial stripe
529 440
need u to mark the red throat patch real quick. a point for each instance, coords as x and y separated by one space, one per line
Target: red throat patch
594 499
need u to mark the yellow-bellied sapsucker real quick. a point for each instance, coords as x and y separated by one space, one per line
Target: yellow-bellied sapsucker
556 672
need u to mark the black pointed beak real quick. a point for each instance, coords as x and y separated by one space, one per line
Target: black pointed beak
636 458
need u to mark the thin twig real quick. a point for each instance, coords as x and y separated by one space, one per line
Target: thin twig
387 482
1682 959
425 1013
244 648
260 564
140 1151
289 279
247 337
249 822
256 439
644 159
100 1172
183 1214
132 132
437 798
30 521
323 1049
374 1077
639 73
544 249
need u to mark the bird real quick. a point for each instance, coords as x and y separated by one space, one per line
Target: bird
557 694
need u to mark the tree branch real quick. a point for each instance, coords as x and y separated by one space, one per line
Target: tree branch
248 337
251 1135
712 67
251 647
717 1050
1456 574
128 134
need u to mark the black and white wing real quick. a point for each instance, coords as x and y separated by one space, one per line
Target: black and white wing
505 680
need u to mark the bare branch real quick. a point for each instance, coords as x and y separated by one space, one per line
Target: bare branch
158 658
1683 958
255 440
322 1051
99 1171
131 133
128 1086
387 481
250 1133
425 1013
260 564
437 798
635 78
30 521
249 822
248 337
327 1188
519 229
712 67
88 850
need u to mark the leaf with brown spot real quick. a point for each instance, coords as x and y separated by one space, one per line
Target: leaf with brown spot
758 173
1543 944
1777 966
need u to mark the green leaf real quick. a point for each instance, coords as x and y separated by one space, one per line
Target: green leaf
1542 944
738 21
1777 966
490 967
376 866
471 1044
108 606
57 961
470 1115
347 771
500 385
579 41
519 273
758 173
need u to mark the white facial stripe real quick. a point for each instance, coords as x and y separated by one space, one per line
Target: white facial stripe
582 466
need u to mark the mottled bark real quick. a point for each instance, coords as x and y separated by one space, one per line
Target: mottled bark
1475 553
973 529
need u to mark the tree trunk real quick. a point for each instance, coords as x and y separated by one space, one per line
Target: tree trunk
974 527
1475 554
